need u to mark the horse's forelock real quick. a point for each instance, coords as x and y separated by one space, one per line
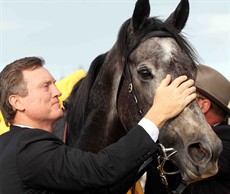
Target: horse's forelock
128 40
174 59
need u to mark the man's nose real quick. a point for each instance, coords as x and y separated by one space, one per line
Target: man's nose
57 92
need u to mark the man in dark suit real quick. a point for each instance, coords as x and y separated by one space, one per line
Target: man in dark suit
33 160
213 96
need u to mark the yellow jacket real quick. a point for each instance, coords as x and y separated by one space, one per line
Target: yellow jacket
65 86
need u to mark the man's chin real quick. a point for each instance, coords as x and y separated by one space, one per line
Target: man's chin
59 114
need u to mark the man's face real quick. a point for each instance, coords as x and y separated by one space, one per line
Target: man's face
41 104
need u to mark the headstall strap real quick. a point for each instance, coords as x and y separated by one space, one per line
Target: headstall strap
166 154
131 88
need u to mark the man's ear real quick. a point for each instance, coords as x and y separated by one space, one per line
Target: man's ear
205 105
15 102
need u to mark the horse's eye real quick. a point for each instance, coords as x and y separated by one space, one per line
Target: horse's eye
145 73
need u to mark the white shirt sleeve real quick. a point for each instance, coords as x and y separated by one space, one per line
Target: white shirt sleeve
150 128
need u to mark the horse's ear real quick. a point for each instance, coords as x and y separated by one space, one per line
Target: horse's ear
179 17
140 14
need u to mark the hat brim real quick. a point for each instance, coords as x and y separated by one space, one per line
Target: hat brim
215 100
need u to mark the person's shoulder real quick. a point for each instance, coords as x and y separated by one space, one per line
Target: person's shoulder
32 134
223 131
221 126
31 141
21 137
13 131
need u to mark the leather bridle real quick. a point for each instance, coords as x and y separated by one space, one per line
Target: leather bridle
166 153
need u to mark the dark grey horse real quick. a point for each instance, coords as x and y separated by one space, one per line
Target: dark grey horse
119 88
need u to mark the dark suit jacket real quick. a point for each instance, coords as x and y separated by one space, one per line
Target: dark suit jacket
36 161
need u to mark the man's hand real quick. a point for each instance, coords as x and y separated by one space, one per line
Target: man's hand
171 99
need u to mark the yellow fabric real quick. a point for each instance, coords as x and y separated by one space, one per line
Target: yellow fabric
65 86
138 189
3 127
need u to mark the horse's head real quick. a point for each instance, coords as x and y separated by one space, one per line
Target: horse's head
119 88
149 49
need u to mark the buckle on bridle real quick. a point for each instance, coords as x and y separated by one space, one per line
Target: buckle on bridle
166 154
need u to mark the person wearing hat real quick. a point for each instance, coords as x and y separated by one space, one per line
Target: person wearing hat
213 96
213 91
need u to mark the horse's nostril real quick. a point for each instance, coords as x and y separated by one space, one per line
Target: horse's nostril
197 152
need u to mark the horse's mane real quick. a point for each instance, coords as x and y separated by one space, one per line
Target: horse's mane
78 99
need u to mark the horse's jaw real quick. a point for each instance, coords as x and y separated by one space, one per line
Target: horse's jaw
197 155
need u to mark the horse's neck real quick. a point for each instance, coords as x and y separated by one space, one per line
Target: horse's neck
99 133
102 126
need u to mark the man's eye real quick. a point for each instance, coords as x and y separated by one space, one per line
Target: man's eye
46 86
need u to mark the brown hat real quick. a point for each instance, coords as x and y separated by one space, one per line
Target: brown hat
213 85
